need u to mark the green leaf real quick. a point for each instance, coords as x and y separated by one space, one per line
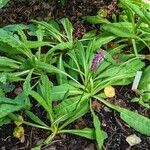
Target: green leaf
68 28
13 43
3 3
8 105
119 72
135 8
61 78
4 121
89 35
72 111
51 30
35 118
5 109
7 62
51 69
40 100
102 40
36 44
26 85
135 120
59 91
46 93
37 148
144 85
95 19
66 106
88 133
120 29
99 133
8 87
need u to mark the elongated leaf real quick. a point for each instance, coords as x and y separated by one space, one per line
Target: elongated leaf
5 109
4 120
67 106
51 69
88 133
121 29
37 148
74 111
58 92
144 88
8 105
46 90
68 28
5 100
61 78
6 62
3 3
46 93
126 70
101 40
13 43
39 99
135 8
26 85
35 118
36 44
51 30
99 133
95 19
135 120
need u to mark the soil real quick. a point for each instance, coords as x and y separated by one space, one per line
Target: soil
22 11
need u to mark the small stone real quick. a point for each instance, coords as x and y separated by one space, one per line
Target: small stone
90 147
3 148
133 140
107 109
50 148
18 90
40 141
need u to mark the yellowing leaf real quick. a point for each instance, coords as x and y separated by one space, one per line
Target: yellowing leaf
109 91
18 123
18 132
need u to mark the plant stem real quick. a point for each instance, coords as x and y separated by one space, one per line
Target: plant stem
134 47
36 126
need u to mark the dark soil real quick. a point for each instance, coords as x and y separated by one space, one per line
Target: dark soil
22 11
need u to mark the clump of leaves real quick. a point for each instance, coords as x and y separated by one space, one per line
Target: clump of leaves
20 54
78 85
131 25
83 73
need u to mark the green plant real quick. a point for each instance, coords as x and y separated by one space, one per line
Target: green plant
92 83
132 25
20 55
81 76
59 116
9 106
84 83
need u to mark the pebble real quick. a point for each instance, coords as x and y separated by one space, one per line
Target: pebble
90 147
133 140
18 90
107 109
50 148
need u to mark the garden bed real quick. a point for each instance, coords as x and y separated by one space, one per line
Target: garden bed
24 11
